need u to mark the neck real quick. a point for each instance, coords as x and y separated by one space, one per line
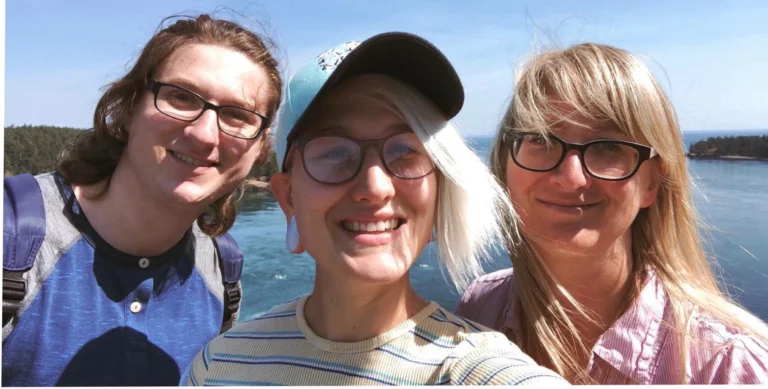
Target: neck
130 219
599 281
344 311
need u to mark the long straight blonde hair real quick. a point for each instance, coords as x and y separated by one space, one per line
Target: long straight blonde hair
609 84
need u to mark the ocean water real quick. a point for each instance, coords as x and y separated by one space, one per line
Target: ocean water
731 196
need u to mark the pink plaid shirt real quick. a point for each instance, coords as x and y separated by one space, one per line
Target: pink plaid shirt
638 348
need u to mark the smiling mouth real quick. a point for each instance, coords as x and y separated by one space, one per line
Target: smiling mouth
583 206
372 227
189 160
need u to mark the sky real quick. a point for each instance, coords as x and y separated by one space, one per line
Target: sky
710 56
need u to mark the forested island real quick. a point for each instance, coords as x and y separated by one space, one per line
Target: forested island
35 149
752 147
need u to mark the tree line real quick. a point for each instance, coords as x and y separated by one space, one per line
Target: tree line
755 146
35 150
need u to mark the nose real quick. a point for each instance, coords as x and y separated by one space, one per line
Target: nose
205 130
373 184
570 174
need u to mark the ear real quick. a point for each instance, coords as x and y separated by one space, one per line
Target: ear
280 183
651 189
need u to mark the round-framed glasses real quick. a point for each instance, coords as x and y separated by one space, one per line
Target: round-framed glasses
606 159
182 104
336 159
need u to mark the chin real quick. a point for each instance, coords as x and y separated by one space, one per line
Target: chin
191 194
578 239
377 269
584 242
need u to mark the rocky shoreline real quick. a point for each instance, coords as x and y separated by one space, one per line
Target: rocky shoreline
724 157
731 148
260 184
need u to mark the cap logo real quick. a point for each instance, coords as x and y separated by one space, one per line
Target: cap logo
330 59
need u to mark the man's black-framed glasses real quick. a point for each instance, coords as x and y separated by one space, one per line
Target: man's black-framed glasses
606 159
182 104
336 159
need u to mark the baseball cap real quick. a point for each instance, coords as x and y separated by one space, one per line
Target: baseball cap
402 56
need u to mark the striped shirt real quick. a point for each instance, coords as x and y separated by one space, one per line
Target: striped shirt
638 348
432 347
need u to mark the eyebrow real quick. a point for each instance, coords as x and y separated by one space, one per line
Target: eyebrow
599 129
613 133
195 87
608 129
182 82
326 130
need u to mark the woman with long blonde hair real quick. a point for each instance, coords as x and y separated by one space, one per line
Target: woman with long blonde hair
611 284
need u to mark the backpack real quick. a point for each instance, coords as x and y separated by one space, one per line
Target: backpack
24 231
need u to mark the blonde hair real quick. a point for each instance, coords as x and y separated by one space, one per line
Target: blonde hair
609 84
470 202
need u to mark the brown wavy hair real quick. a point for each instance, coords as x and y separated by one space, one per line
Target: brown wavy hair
93 156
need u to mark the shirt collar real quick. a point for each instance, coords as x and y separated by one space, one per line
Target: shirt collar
511 325
628 345
184 248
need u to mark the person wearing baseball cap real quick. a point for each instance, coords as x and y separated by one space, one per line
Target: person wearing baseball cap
372 170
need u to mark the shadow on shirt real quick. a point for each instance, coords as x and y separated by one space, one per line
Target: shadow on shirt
120 357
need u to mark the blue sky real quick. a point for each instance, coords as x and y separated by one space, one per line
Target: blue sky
710 56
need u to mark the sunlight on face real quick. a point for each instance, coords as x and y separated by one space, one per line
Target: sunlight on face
566 208
193 163
373 227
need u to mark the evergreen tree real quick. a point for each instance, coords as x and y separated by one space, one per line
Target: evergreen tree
755 146
35 149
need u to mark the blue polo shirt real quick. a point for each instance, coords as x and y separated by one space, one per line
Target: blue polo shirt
94 315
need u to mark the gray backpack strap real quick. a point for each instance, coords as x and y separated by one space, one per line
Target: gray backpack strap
231 263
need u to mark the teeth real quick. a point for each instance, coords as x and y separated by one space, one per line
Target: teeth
380 226
187 159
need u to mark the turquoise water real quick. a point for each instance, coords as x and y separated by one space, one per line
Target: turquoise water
732 197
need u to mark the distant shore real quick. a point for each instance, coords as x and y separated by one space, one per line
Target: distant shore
724 157
731 148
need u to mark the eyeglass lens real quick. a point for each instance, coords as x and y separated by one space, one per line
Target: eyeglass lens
181 104
608 159
334 159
